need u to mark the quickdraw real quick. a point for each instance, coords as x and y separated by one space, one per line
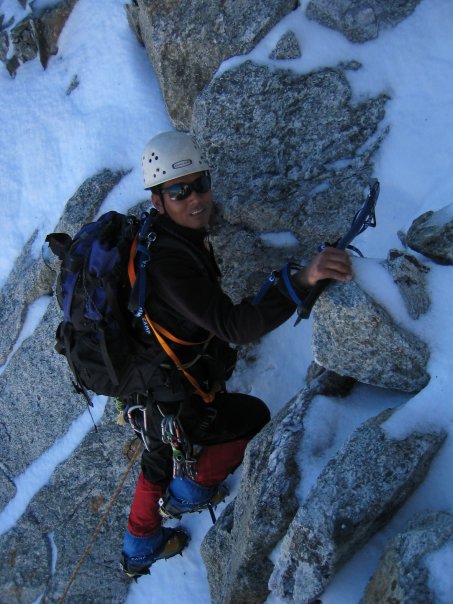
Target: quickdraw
173 435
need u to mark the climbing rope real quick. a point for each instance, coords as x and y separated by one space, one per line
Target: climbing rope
93 537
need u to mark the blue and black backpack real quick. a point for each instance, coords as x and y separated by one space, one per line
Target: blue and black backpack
112 345
100 307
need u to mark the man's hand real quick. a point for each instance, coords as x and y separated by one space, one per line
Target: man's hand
331 263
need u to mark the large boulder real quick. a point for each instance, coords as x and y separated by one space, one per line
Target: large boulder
25 562
236 549
431 234
403 574
360 20
187 41
355 336
37 397
79 516
288 151
358 491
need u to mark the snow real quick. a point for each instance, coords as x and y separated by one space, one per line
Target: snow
441 217
52 141
440 566
282 239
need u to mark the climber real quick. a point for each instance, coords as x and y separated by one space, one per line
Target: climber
195 432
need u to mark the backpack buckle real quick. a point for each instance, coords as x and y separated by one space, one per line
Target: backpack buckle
150 238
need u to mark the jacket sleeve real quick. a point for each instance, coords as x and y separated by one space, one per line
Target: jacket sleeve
179 284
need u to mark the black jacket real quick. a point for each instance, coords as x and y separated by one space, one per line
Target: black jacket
185 297
184 291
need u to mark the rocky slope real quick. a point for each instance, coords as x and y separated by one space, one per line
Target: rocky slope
285 149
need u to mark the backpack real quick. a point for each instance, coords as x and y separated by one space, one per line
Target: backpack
94 293
101 290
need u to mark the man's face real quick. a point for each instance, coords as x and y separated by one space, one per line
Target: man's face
194 211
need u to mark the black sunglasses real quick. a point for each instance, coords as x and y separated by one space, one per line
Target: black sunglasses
182 190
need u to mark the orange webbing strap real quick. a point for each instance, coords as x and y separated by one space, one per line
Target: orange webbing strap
160 331
208 397
173 338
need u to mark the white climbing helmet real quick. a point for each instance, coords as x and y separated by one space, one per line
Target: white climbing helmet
171 155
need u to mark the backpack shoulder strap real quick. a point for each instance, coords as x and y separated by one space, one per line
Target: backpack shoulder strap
162 334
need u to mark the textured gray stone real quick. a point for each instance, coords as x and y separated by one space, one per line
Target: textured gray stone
37 399
328 382
7 486
236 549
360 20
402 575
288 151
302 154
410 276
187 41
358 491
24 547
31 278
86 201
287 47
243 259
41 552
4 45
356 337
37 35
431 234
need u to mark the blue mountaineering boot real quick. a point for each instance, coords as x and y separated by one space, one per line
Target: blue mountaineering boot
139 553
184 496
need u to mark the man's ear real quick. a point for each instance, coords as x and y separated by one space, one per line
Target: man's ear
157 203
